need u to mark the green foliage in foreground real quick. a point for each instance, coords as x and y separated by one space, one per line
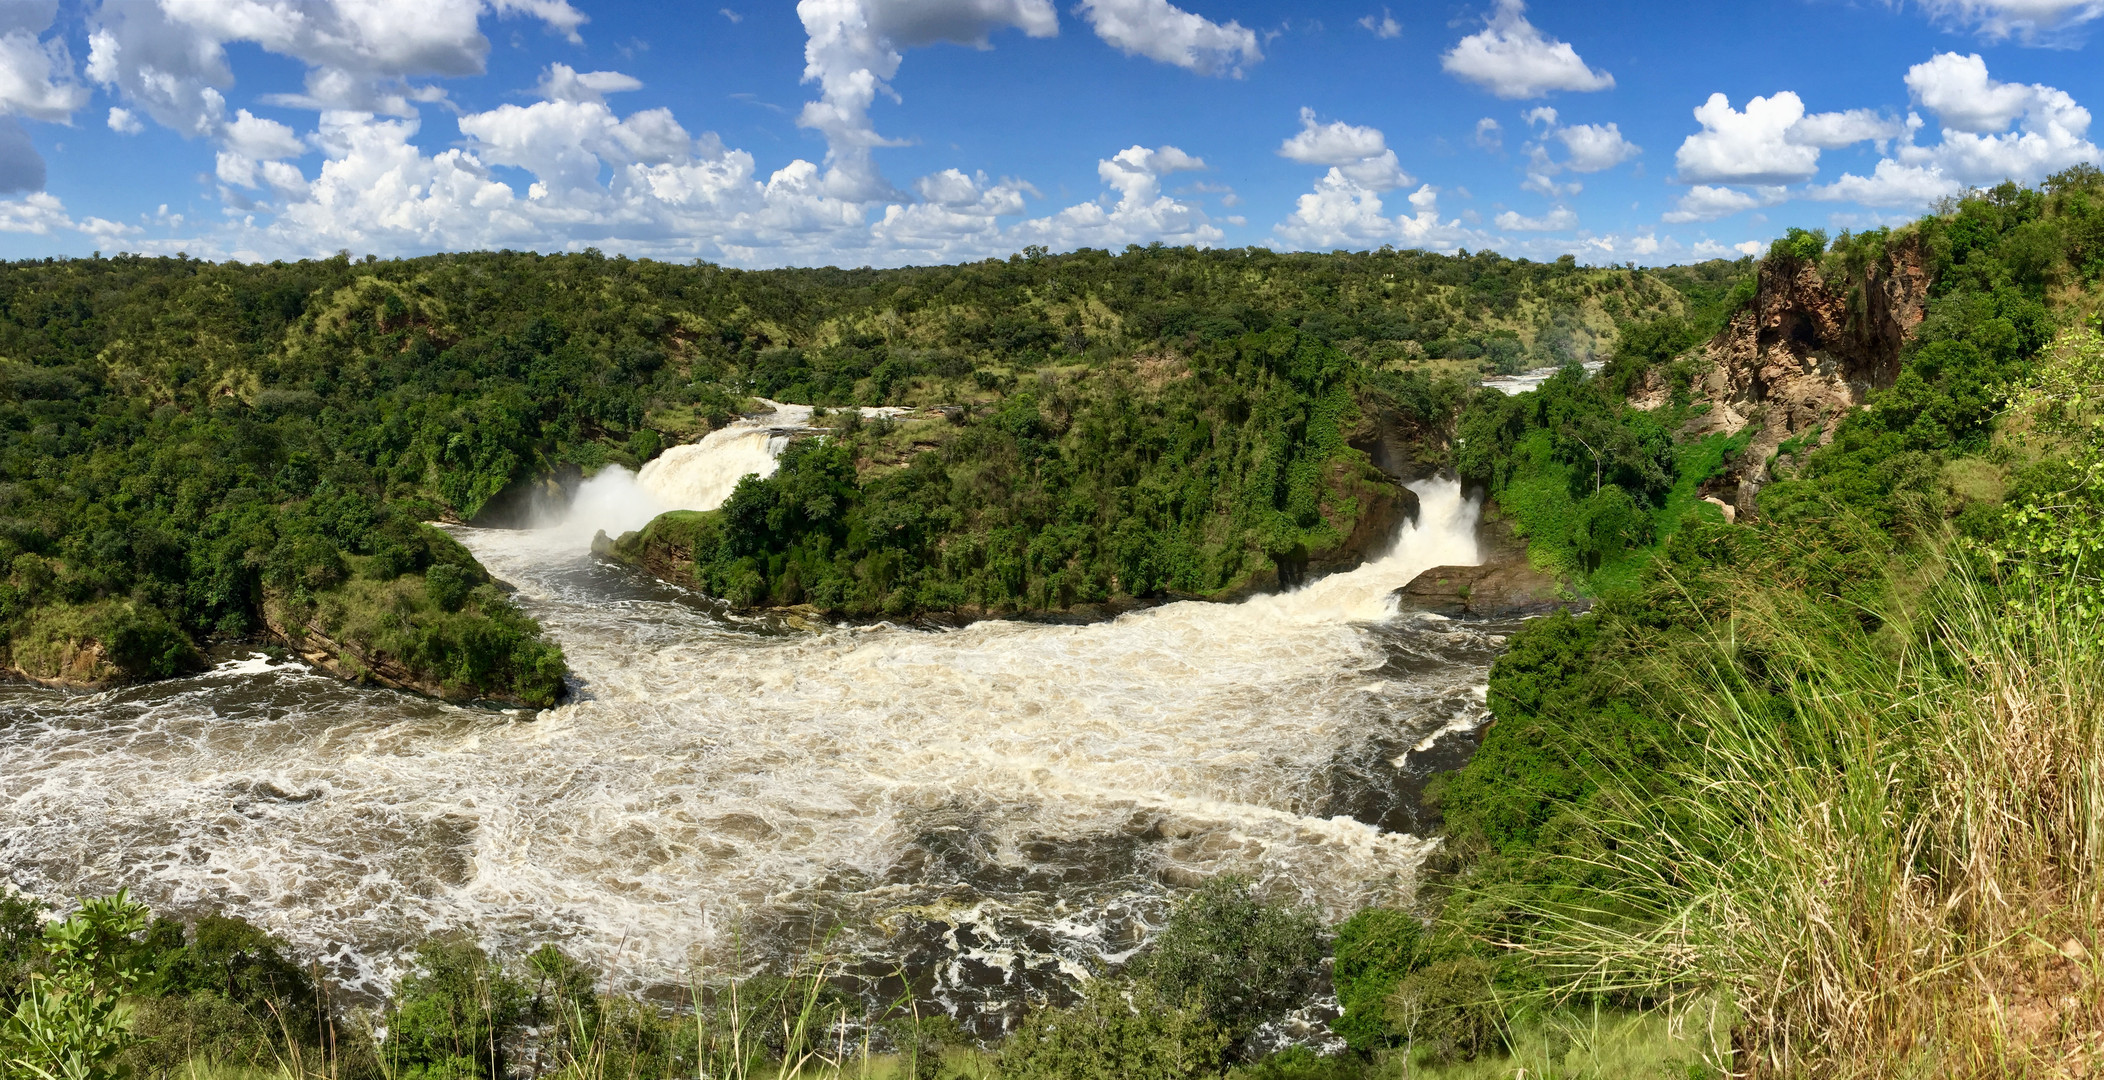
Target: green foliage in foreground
67 1022
1235 959
1117 1031
1756 733
221 1000
1376 949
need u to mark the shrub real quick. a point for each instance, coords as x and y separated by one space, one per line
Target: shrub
455 1016
135 642
1609 524
448 586
1301 1063
1801 245
21 944
1236 959
234 960
1119 1031
1375 949
176 1031
69 1021
1449 1009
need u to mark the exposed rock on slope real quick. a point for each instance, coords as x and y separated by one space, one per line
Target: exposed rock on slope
1807 352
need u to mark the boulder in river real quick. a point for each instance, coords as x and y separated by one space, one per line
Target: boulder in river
1496 590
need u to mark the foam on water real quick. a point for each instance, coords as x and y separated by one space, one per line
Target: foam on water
1532 380
989 808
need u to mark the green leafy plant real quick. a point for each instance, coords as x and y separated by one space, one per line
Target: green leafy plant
70 1022
1118 1031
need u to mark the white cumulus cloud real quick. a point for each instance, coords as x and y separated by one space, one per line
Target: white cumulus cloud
1560 219
1345 209
1752 147
1706 203
561 82
1773 142
39 212
1360 154
1159 30
36 78
1142 212
1991 131
1964 98
1595 147
1512 58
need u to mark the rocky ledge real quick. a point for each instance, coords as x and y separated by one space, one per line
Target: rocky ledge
1503 586
1489 591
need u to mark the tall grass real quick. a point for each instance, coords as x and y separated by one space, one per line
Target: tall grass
1885 851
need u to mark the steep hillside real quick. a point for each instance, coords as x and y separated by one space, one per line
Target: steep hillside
1820 336
1817 764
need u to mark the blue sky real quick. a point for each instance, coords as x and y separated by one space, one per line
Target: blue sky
882 132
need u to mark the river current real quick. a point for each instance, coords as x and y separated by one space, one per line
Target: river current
986 811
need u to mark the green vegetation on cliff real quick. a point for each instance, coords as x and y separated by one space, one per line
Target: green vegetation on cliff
184 446
1820 768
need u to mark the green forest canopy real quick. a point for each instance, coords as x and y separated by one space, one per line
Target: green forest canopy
184 444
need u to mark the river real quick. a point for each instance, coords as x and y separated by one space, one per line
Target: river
986 811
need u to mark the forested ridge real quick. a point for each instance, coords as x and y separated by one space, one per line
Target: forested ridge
197 452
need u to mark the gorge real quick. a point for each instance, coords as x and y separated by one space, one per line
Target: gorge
989 810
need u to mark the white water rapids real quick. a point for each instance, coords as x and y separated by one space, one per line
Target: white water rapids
986 809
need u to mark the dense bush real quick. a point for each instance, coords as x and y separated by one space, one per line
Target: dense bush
1449 1009
1233 957
455 1016
1374 950
1119 1031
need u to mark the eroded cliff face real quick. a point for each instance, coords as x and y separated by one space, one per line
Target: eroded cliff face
1805 354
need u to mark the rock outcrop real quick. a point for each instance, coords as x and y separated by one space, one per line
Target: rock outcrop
1503 586
1500 590
1383 505
1806 353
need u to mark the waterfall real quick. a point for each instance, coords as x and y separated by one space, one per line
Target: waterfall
692 476
699 476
